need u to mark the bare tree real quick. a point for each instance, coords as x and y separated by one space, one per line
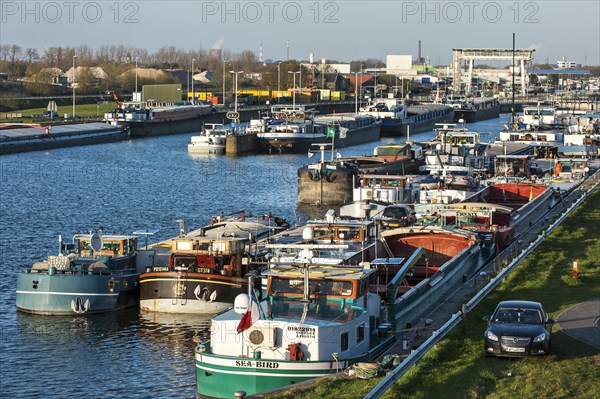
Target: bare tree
167 57
32 55
246 61
5 52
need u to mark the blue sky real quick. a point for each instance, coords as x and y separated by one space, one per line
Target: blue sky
343 30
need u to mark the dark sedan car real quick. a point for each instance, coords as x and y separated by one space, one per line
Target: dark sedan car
518 328
397 216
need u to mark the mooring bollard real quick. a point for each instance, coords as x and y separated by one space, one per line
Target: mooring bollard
575 270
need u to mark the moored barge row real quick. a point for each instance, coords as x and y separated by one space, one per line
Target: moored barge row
317 319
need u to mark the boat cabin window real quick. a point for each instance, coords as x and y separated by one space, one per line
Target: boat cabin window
344 341
203 246
131 245
112 246
338 233
349 233
461 139
539 111
281 286
360 333
184 261
322 233
382 182
120 247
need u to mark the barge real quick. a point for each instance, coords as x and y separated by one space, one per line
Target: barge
202 271
146 119
16 138
296 129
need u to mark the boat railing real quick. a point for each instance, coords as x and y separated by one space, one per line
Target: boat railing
79 270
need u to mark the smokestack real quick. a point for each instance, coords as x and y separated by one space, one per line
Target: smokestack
260 55
419 53
215 51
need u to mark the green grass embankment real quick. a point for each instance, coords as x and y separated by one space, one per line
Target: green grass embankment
457 368
81 111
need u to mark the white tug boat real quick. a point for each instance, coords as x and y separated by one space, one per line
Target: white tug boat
212 140
316 320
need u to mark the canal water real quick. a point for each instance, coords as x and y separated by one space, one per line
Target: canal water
123 187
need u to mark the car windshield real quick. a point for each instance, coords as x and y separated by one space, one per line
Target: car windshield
395 213
517 316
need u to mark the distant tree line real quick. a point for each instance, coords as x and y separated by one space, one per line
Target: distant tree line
37 69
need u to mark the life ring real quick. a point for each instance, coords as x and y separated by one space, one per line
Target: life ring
520 119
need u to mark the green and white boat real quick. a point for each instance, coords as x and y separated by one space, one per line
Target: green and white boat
315 321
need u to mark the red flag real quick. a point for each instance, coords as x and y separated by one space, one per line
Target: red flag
245 322
251 317
116 99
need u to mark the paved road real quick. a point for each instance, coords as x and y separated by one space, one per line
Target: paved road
582 322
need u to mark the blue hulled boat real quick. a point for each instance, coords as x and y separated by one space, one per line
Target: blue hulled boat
92 274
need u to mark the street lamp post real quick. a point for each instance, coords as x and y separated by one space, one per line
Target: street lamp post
360 93
278 81
136 75
294 88
356 93
375 86
73 85
224 61
300 81
402 87
193 92
235 88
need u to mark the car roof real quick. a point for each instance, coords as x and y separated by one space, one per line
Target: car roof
395 206
520 304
